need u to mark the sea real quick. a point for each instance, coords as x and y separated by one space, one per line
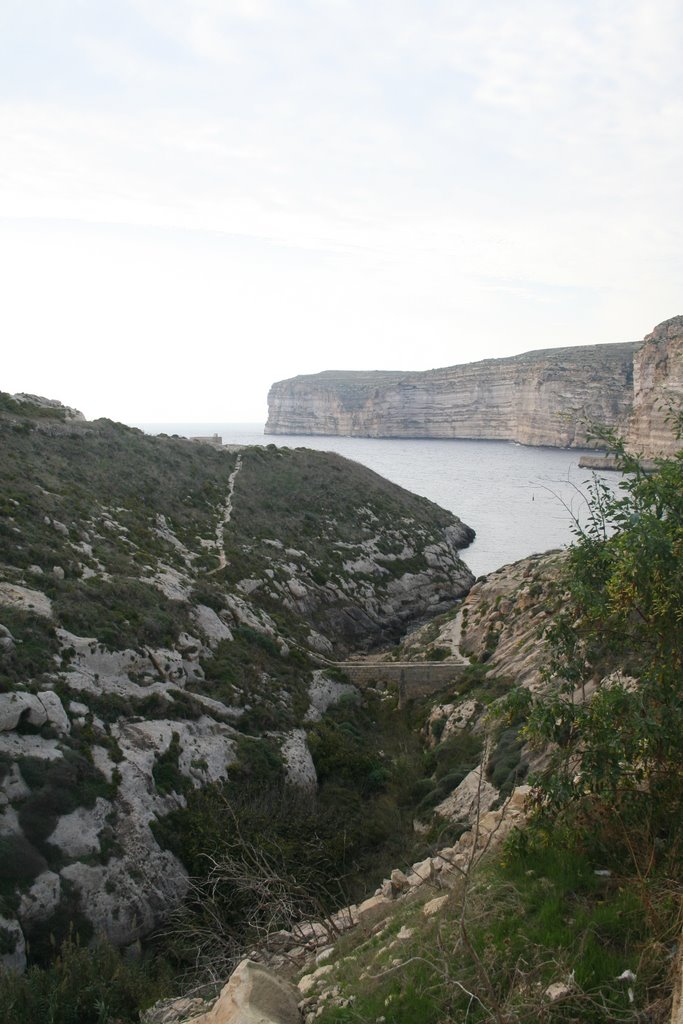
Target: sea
520 500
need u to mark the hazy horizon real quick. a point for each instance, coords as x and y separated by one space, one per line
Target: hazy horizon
201 197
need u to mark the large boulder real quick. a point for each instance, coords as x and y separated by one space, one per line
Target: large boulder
254 995
470 799
36 709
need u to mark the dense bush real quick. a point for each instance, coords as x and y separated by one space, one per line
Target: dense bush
506 768
618 756
94 985
166 769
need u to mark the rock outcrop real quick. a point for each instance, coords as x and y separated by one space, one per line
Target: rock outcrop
253 995
50 406
538 398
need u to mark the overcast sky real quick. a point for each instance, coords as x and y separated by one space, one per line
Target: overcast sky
200 197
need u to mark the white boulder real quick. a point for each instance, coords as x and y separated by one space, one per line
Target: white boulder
254 995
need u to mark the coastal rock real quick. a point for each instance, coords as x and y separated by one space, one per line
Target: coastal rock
372 910
209 623
64 411
548 397
41 900
77 834
35 709
25 600
296 757
504 617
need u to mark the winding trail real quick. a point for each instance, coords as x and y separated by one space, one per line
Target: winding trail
225 520
452 634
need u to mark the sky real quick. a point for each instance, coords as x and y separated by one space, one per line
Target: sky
201 197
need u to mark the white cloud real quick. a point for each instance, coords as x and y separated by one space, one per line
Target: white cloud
335 182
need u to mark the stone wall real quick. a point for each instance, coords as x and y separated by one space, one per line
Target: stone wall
411 679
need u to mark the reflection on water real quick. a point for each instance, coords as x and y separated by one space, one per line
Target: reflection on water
520 500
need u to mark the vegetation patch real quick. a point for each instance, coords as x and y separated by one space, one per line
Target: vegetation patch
166 772
33 652
83 985
57 788
120 613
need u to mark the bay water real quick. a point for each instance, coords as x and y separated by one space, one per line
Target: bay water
520 500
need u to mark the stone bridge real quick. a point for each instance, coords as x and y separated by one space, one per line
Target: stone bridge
410 678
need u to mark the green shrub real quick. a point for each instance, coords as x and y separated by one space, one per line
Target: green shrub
34 650
505 768
20 861
120 613
438 653
57 788
94 985
166 771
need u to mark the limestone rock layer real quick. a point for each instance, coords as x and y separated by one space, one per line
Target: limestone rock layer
538 398
547 397
657 390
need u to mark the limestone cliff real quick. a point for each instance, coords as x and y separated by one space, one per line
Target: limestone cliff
657 389
538 398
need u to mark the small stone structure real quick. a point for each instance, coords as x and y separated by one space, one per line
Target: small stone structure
215 440
411 679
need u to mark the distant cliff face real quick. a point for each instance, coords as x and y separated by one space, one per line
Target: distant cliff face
657 389
538 398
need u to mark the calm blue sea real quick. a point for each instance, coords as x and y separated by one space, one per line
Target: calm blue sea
519 500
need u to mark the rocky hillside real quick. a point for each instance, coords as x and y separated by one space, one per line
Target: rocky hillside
164 606
538 398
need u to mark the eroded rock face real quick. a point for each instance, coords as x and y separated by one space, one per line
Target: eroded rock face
657 389
474 796
538 398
